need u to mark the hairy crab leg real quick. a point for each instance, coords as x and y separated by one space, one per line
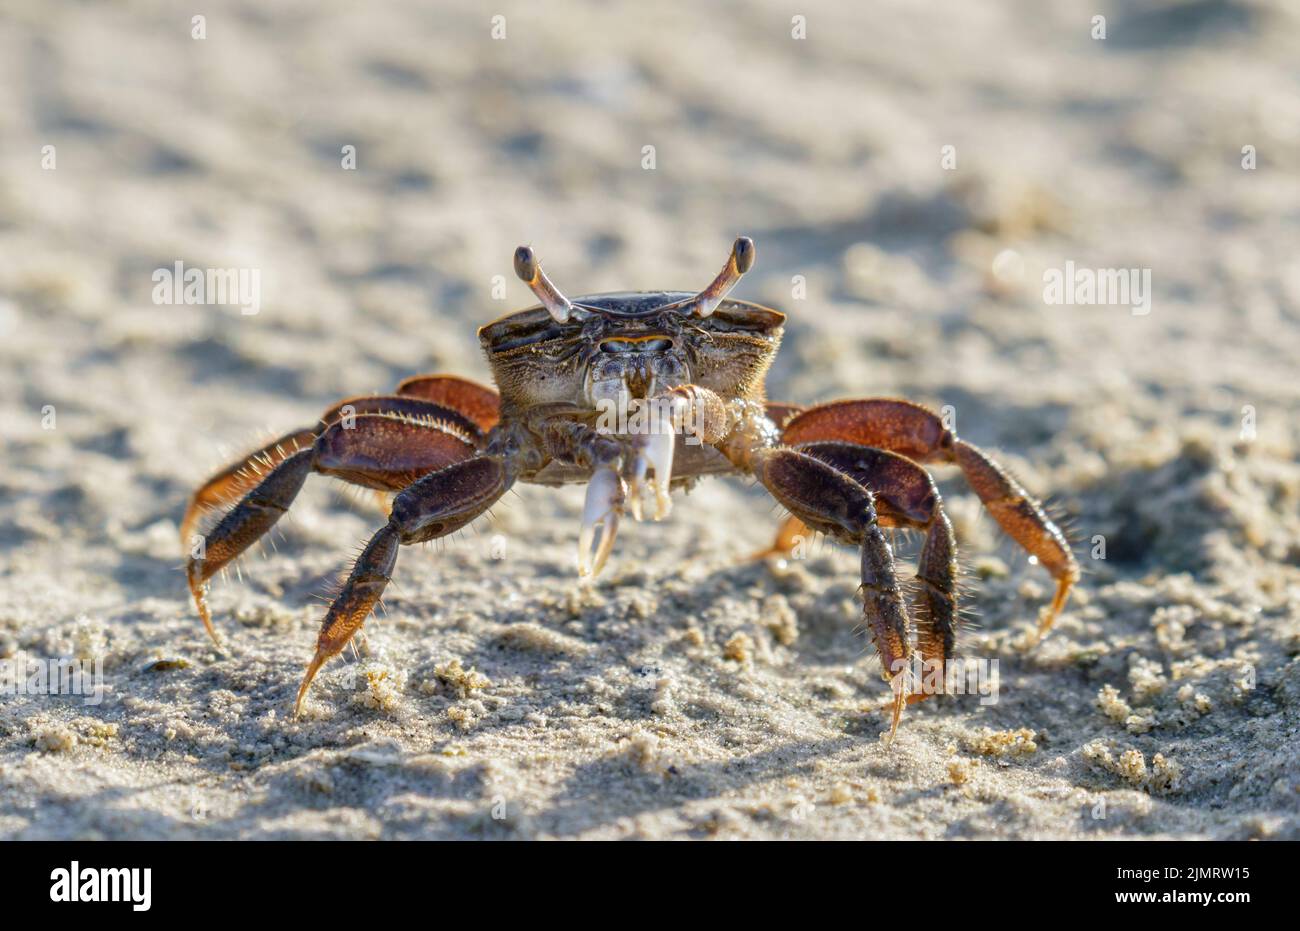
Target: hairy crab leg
436 505
830 501
235 480
906 496
477 402
251 518
920 435
379 451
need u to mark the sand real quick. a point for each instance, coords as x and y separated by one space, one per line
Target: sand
690 693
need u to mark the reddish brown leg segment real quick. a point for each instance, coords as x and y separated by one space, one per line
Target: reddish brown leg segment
886 423
831 502
1024 521
434 506
788 536
395 405
477 402
388 453
235 480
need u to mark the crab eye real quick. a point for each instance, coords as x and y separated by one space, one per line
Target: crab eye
740 261
652 344
706 302
530 273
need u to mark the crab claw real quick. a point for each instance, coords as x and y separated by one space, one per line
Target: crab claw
655 451
636 483
605 496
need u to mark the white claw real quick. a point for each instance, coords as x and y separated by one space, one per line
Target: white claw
658 453
654 449
636 485
605 496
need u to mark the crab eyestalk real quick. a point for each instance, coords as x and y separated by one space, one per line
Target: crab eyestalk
530 273
740 261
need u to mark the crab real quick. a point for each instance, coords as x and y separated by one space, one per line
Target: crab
637 394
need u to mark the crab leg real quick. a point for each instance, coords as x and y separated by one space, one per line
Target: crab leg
435 506
379 451
257 513
828 500
459 405
919 434
906 496
477 402
236 479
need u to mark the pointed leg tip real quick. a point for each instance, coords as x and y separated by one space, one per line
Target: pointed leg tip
1045 622
312 668
901 695
1053 612
199 591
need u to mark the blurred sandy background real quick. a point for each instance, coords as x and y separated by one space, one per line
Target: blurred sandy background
690 694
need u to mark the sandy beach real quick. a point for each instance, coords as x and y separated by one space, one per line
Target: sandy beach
912 176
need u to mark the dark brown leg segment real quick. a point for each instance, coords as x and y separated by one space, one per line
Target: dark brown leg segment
919 434
435 506
907 497
250 519
792 529
234 481
830 501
